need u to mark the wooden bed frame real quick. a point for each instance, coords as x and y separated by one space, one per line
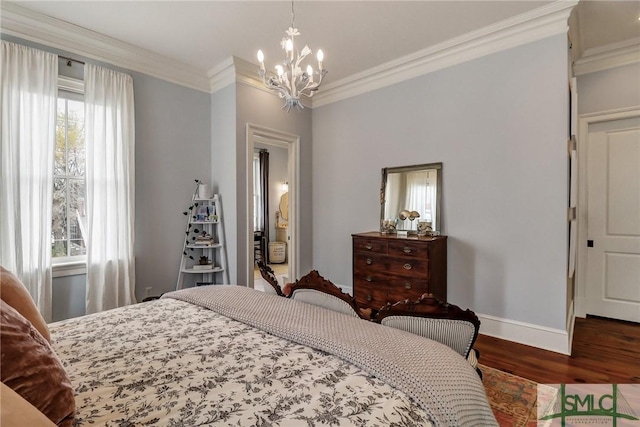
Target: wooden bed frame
270 277
426 306
429 306
313 280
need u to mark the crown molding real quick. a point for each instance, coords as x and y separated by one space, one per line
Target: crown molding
234 70
525 28
534 25
36 27
607 57
237 70
222 75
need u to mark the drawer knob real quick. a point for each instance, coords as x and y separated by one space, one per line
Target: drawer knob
406 250
369 261
368 279
407 285
368 246
407 266
369 297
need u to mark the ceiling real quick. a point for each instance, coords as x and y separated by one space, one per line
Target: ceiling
354 35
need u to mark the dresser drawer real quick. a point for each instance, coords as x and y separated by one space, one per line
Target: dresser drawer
410 267
409 285
408 249
369 245
407 288
373 295
370 264
370 278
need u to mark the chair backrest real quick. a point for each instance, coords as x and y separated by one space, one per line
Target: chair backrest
270 277
315 289
433 319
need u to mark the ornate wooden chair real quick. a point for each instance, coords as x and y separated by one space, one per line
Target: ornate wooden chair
315 289
270 277
446 323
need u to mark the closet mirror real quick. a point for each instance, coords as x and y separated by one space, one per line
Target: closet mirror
410 198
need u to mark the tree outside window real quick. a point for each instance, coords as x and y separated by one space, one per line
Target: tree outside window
69 215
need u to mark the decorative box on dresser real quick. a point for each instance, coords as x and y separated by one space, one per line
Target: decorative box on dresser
387 268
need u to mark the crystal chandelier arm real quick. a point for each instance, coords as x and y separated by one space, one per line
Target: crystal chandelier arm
271 81
268 79
301 55
286 80
312 87
303 85
309 89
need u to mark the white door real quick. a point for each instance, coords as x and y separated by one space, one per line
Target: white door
613 219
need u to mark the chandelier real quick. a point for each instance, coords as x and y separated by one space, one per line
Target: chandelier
289 81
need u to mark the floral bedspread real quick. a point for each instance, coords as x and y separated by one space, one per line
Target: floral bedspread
437 378
172 363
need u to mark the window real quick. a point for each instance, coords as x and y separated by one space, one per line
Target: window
69 215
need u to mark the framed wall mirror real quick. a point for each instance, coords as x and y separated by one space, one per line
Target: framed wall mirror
411 198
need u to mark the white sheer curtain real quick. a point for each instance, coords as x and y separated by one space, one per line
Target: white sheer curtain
417 194
258 222
395 194
110 138
28 110
432 185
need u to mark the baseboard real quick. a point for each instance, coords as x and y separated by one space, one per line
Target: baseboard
551 339
571 322
555 340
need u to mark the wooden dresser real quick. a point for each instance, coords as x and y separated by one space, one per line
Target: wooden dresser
387 268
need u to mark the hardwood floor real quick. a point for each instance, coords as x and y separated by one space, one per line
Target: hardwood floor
604 351
280 270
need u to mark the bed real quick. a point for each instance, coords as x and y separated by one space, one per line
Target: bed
230 355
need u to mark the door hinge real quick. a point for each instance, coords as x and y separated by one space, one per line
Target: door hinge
572 144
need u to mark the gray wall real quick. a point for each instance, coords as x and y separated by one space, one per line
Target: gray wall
260 108
172 149
499 124
609 89
223 168
69 296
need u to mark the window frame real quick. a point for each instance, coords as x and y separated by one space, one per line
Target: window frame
75 264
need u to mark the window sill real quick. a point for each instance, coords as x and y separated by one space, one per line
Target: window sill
70 268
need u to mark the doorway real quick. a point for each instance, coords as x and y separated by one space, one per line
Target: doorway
280 230
608 282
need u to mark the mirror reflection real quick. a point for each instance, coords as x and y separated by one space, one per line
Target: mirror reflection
410 198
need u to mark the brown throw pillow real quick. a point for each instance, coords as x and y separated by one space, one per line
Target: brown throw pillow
14 293
32 369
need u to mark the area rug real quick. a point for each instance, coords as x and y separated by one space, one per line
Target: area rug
512 398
